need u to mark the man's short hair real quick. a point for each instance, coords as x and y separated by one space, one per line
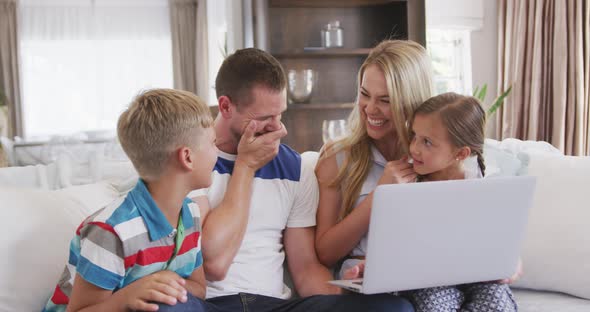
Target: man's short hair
158 122
245 69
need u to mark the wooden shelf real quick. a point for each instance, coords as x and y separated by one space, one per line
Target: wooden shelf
319 106
327 52
325 3
293 35
303 107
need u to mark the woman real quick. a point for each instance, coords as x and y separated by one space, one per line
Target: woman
393 81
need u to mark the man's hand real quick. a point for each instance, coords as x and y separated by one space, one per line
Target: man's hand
398 171
355 272
516 275
256 151
162 287
225 227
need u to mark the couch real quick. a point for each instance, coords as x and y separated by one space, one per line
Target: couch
40 207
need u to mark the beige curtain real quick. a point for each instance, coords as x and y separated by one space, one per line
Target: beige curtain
188 19
9 78
544 53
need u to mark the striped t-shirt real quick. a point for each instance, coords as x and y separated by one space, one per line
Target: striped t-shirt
127 240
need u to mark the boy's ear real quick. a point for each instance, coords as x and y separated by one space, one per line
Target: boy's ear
185 158
226 107
463 153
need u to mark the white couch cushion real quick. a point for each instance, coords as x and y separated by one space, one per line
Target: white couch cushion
556 253
39 177
541 301
37 226
65 173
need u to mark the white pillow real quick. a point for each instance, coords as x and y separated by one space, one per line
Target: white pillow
499 163
556 251
515 146
37 227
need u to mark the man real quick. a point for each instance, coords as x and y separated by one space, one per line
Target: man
263 204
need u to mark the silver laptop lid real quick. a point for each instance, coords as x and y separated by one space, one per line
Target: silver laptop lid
445 233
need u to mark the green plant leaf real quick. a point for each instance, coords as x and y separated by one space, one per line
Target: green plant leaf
498 102
481 95
2 99
475 91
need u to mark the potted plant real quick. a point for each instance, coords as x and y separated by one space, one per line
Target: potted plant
3 114
480 94
3 127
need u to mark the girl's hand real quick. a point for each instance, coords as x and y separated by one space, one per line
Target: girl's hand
397 172
355 272
516 275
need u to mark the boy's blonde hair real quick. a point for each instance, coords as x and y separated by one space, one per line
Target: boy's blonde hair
408 74
158 122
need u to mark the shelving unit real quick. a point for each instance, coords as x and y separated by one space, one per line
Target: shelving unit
324 53
325 3
293 36
321 106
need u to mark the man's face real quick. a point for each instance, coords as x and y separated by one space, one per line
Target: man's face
266 108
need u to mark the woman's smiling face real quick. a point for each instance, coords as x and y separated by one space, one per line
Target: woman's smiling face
374 103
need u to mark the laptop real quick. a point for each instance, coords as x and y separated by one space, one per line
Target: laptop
444 233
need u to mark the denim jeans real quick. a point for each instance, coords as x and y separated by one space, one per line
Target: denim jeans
244 302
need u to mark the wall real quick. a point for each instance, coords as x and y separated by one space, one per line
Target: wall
455 13
481 17
225 17
484 56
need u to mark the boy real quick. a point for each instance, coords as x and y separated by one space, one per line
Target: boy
144 249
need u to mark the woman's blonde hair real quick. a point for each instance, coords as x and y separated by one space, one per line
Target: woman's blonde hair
408 74
463 117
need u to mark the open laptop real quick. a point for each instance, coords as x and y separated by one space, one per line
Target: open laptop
444 233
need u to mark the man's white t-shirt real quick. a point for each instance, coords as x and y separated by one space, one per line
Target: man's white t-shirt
284 194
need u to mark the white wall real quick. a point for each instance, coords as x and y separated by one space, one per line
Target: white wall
484 56
481 17
484 50
455 13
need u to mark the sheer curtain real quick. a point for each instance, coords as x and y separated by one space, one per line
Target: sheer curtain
84 60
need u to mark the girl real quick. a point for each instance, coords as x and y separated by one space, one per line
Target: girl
445 131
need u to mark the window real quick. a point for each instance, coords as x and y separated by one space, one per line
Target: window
451 59
82 61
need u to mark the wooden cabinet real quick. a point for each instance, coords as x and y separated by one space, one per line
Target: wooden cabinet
293 36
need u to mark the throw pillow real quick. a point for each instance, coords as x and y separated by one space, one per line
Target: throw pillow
37 227
556 251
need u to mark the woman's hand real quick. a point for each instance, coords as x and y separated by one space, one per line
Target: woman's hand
397 172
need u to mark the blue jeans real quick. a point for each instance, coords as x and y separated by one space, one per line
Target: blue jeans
244 302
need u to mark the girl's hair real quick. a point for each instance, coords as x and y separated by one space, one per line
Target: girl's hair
464 118
408 74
